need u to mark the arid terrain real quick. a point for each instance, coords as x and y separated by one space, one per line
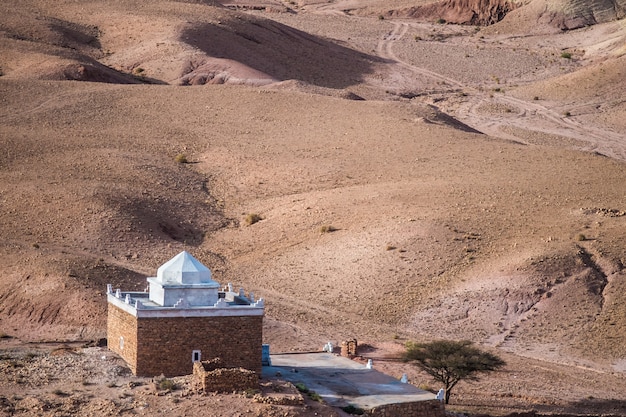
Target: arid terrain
416 179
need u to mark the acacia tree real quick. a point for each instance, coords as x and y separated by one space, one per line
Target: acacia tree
449 361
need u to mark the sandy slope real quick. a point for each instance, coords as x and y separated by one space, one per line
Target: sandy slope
512 239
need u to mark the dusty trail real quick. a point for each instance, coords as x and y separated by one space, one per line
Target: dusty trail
535 117
522 114
385 50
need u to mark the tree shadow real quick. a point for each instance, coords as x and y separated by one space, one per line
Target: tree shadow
586 407
597 406
282 52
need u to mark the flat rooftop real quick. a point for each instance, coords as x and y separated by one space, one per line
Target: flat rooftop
341 381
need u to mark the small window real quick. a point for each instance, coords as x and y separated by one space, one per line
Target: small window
196 356
121 342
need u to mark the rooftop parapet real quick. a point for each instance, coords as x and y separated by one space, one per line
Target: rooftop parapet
183 288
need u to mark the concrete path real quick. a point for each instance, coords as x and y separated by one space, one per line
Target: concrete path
341 381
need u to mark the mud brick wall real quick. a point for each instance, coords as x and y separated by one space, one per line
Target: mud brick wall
165 345
433 408
224 380
122 324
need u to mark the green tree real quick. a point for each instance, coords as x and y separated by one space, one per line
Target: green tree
449 361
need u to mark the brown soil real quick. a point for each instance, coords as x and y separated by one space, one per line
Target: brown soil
474 179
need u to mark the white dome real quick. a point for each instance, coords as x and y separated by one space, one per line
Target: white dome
185 269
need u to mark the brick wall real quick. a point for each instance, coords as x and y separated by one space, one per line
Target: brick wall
349 348
434 408
121 324
165 345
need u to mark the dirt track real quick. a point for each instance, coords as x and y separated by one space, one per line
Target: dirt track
512 238
517 114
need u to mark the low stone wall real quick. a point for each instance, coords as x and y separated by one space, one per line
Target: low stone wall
432 408
282 400
211 378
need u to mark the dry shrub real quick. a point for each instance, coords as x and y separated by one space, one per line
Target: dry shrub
253 218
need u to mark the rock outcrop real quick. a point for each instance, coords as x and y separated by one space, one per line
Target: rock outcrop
574 14
563 14
470 12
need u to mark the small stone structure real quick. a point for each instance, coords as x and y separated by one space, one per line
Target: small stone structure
349 348
182 318
212 377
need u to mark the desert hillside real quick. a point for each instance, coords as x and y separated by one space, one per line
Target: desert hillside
415 180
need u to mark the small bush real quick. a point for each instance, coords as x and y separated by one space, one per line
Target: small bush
536 98
567 114
327 229
350 409
253 218
381 17
311 394
181 158
440 21
566 55
251 392
315 396
166 385
580 237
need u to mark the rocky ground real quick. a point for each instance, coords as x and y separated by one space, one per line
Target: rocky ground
415 180
68 379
